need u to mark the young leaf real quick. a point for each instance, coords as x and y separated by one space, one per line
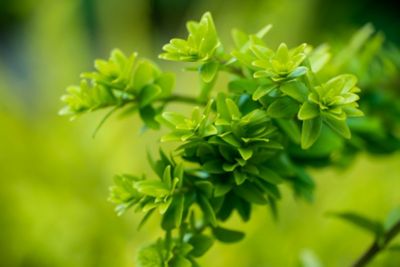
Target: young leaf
227 235
148 114
263 90
250 193
149 256
144 74
310 132
178 261
148 94
291 128
269 175
222 189
208 71
283 107
246 153
179 209
233 109
207 209
201 244
296 90
339 126
152 188
308 111
243 208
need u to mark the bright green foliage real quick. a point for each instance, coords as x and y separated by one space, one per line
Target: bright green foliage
335 100
280 65
118 82
146 194
277 117
200 45
199 125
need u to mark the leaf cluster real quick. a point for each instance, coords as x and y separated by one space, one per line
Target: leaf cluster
284 109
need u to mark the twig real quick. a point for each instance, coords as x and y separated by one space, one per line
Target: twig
377 246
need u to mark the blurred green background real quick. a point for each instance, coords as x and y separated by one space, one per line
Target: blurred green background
54 177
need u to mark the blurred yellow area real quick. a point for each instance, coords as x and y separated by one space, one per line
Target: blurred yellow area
54 177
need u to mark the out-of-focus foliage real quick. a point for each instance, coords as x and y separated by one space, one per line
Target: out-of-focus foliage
54 178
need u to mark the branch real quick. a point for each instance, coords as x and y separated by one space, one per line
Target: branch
377 246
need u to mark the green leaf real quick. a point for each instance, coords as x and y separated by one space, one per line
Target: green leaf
239 177
246 153
205 186
296 90
222 108
283 107
243 208
269 175
213 166
319 57
209 70
179 261
299 71
179 209
227 235
166 81
148 94
168 219
227 207
261 33
149 256
144 74
290 128
233 109
282 54
250 193
174 118
148 114
222 189
360 221
241 86
201 244
152 188
207 209
310 132
231 139
339 126
392 219
308 111
167 179
263 90
239 38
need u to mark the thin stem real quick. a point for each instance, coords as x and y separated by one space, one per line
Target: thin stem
104 120
234 71
377 246
183 99
168 244
230 69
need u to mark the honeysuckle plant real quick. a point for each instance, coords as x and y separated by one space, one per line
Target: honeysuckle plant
283 110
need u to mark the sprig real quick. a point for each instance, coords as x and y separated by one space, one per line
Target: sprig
285 109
